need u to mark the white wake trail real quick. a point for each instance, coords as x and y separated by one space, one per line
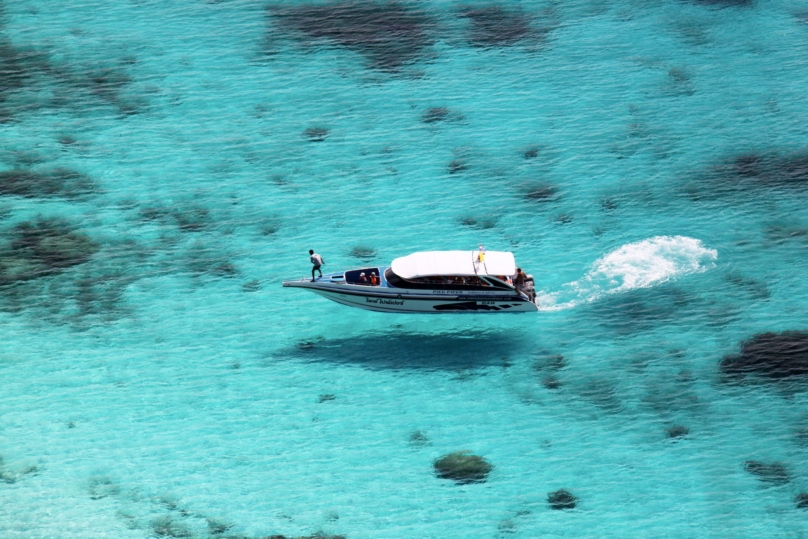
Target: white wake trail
635 265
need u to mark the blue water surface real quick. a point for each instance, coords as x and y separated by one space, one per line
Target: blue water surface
166 385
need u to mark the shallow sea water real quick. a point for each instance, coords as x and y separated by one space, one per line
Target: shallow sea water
169 387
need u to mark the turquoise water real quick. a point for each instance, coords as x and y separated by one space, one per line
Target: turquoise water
166 385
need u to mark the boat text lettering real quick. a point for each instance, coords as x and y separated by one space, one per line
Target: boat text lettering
384 301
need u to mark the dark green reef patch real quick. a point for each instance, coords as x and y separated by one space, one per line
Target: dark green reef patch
752 172
58 182
463 467
388 34
561 499
493 26
363 253
774 473
771 356
43 247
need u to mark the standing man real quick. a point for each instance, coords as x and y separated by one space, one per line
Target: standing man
519 282
318 261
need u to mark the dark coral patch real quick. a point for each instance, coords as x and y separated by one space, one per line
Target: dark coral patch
541 192
463 467
770 355
60 182
43 247
493 26
192 219
251 286
389 35
785 232
725 3
203 260
435 114
549 361
679 82
101 486
187 219
315 134
108 83
17 66
677 431
751 171
364 253
562 499
418 439
169 526
482 223
530 153
801 500
757 289
457 166
775 472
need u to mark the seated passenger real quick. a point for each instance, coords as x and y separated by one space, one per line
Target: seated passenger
374 281
363 279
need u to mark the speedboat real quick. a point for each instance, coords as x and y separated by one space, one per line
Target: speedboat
430 282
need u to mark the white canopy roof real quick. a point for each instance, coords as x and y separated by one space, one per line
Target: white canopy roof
454 263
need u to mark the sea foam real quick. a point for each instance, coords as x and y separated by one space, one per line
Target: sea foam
641 264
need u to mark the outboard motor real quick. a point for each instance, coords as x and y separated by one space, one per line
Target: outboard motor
530 288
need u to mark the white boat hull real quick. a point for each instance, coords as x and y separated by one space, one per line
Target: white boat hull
389 300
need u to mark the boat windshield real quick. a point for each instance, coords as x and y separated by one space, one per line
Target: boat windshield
447 282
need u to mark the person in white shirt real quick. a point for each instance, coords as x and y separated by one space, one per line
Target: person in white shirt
318 261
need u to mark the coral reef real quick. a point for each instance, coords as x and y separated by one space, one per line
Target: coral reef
315 134
725 3
10 476
186 218
418 439
251 286
677 431
493 26
530 153
435 114
59 182
483 223
541 192
770 355
204 260
363 253
679 82
775 472
43 247
561 499
750 172
457 166
463 467
192 219
17 66
101 486
757 289
389 35
168 526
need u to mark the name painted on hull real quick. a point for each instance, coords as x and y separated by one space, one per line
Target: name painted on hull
378 301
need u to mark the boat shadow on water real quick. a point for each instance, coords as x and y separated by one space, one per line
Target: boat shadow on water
400 350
